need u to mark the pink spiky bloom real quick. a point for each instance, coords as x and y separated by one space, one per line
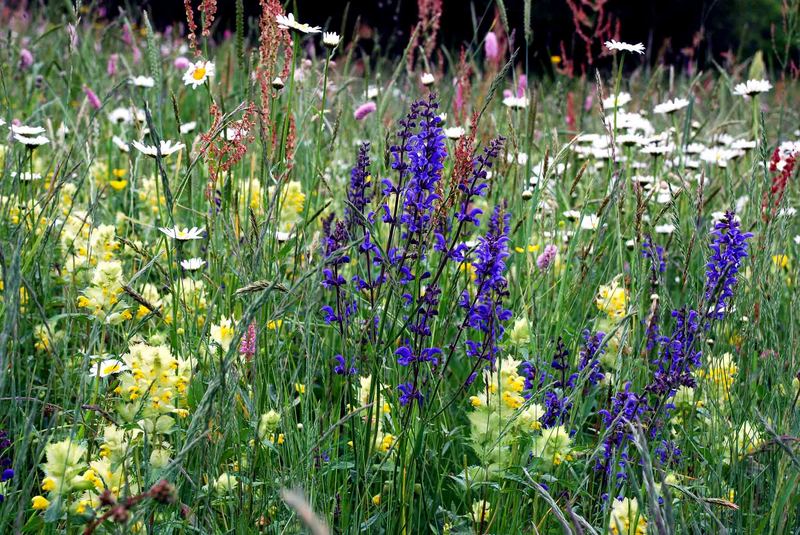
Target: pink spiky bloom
248 345
546 258
491 47
522 85
587 104
111 66
92 97
364 110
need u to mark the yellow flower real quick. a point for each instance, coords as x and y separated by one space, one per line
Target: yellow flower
376 500
626 519
223 333
612 299
118 185
781 261
555 60
300 388
274 324
40 502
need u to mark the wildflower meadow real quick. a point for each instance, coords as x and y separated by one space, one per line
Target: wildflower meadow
259 278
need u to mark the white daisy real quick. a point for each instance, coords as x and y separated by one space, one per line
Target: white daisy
616 101
752 87
615 45
330 39
283 236
193 264
143 81
743 144
120 116
665 229
590 222
188 127
288 23
184 234
31 142
454 132
26 176
120 144
167 148
25 130
515 102
671 106
427 79
197 73
107 367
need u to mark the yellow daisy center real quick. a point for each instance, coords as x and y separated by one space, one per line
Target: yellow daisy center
199 73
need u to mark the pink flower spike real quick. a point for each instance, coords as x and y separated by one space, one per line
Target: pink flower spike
491 47
522 85
364 110
111 67
92 97
547 257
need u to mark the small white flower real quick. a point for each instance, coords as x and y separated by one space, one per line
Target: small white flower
797 239
143 81
743 144
615 45
277 83
656 149
454 132
32 142
752 87
516 102
26 176
520 159
671 106
665 229
427 79
288 23
184 234
590 222
331 39
188 127
24 130
107 367
283 236
616 101
372 92
120 116
197 73
167 148
192 264
121 145
63 131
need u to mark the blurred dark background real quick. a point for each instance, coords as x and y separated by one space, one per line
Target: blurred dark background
673 30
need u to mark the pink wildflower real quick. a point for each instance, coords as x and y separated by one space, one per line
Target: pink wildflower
92 97
491 47
547 257
364 110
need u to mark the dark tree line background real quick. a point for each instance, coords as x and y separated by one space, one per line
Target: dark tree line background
740 27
